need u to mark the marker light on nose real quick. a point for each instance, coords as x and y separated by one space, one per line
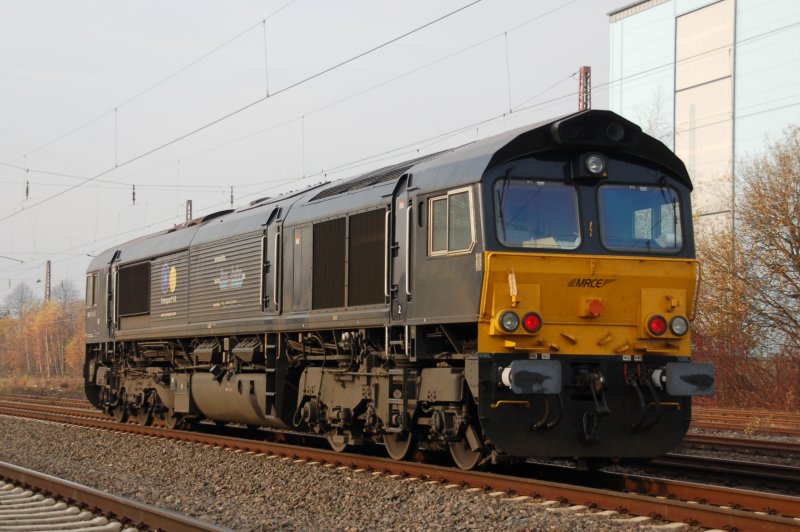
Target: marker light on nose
532 322
657 325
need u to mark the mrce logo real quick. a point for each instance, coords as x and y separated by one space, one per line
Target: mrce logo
588 282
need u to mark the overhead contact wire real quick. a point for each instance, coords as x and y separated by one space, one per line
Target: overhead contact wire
162 81
249 105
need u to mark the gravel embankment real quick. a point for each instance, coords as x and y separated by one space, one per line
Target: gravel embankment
249 492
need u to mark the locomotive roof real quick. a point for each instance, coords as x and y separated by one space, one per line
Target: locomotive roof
467 163
450 168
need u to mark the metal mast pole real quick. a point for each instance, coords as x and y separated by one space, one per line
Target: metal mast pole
585 88
47 282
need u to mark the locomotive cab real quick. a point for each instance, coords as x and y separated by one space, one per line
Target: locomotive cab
589 288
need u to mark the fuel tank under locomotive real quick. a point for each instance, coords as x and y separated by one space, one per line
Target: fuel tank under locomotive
238 398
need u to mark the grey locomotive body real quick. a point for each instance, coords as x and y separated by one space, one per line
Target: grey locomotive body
369 310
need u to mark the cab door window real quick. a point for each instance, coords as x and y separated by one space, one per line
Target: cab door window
451 227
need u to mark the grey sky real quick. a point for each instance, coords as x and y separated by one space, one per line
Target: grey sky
66 64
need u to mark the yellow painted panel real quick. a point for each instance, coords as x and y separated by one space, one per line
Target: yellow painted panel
561 287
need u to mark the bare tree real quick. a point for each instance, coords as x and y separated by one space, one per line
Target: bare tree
655 119
65 293
20 300
768 232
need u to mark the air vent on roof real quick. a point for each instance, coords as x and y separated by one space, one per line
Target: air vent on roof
200 220
259 200
382 175
213 215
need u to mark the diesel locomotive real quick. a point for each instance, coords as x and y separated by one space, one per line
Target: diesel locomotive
525 295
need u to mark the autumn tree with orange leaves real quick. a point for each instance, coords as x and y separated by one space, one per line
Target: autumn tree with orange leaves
748 320
42 339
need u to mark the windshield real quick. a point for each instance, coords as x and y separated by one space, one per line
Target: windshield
636 218
536 214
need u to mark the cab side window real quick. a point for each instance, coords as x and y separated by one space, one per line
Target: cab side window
451 227
91 290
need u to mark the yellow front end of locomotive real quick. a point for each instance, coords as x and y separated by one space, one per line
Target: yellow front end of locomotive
586 305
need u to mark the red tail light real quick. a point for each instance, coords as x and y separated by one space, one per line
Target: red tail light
657 325
532 322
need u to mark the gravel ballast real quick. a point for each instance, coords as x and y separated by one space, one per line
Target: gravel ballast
249 492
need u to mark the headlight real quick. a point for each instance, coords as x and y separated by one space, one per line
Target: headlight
595 164
509 321
679 325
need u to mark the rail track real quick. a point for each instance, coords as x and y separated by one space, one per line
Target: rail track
53 401
789 448
695 504
30 501
747 421
774 474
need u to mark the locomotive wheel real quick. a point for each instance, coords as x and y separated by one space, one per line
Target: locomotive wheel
146 412
121 413
464 457
462 454
146 417
337 442
172 420
400 445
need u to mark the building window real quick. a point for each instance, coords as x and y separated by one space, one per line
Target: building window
704 50
451 227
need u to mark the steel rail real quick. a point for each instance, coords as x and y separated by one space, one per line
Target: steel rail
784 474
695 439
53 401
784 447
746 412
764 420
740 427
747 420
120 508
696 510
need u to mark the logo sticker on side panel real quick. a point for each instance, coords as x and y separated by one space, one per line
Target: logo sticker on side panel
588 282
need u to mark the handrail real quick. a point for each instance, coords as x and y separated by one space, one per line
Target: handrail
276 271
261 287
386 255
408 248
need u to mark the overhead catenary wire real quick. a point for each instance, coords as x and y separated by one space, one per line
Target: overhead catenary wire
249 105
157 83
417 69
329 105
